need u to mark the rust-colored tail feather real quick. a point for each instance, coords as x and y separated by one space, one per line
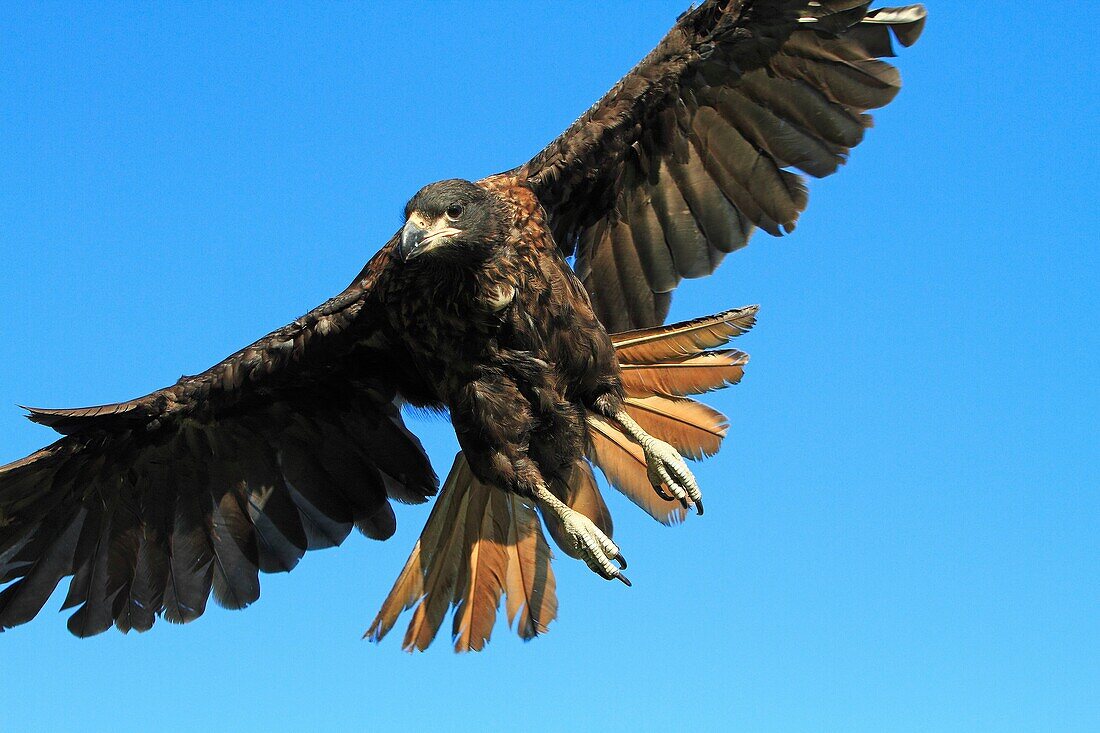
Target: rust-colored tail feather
481 544
659 366
530 589
652 345
683 358
695 374
690 427
408 590
623 464
478 590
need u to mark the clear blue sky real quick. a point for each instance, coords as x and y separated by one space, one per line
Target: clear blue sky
901 532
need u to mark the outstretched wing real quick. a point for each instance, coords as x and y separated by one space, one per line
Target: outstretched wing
691 151
151 504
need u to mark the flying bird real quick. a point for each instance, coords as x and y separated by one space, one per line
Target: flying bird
545 368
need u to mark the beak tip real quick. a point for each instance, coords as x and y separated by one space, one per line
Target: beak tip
411 237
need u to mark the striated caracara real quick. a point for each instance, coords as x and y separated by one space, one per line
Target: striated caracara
545 369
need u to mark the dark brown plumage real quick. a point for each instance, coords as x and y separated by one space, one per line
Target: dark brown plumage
152 505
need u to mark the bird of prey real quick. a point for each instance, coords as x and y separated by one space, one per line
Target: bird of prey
545 369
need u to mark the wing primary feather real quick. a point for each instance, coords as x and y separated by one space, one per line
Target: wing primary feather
24 598
152 567
236 581
89 585
191 558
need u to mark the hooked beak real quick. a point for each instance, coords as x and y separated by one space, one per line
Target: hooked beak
418 236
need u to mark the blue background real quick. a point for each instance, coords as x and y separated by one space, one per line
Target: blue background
901 529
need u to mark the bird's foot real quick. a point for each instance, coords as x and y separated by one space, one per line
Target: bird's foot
669 474
668 471
594 547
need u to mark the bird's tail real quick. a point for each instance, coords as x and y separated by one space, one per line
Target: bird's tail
481 544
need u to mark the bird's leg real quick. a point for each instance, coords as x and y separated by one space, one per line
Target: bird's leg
494 429
595 548
665 466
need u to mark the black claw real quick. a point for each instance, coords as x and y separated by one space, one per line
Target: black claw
626 581
699 507
663 494
684 502
621 560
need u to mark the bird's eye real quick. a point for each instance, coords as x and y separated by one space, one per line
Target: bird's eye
454 211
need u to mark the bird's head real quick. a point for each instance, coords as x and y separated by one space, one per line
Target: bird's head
451 218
